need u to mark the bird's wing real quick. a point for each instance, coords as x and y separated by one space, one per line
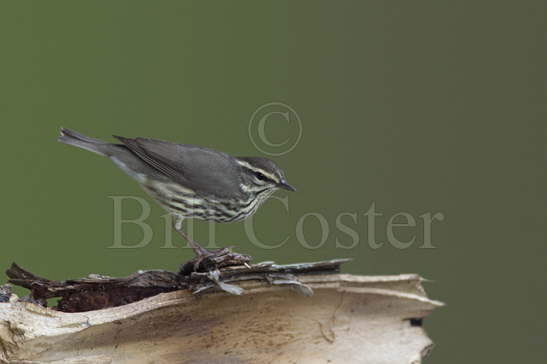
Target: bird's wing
201 169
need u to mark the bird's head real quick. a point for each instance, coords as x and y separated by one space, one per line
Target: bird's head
262 174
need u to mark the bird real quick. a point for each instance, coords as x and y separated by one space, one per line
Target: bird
191 182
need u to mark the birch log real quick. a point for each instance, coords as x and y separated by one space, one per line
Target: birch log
348 319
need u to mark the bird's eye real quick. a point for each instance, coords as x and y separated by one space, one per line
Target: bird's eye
261 176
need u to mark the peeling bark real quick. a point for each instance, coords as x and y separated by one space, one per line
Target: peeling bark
348 319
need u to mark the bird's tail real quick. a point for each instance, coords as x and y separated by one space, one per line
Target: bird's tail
76 139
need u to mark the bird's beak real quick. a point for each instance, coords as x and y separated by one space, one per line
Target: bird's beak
284 185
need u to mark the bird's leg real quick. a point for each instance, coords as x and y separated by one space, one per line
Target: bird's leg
213 259
198 249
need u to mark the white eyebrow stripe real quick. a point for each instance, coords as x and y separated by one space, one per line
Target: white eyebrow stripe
254 169
244 164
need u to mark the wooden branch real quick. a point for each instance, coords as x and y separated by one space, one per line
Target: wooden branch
274 319
98 291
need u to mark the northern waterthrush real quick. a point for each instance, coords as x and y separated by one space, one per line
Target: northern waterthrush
191 181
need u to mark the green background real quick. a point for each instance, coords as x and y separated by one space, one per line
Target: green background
417 106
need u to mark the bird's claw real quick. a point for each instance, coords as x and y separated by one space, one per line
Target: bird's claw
209 260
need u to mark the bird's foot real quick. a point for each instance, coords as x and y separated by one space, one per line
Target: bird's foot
210 260
207 260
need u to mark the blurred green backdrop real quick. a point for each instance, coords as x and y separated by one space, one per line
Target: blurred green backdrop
417 106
